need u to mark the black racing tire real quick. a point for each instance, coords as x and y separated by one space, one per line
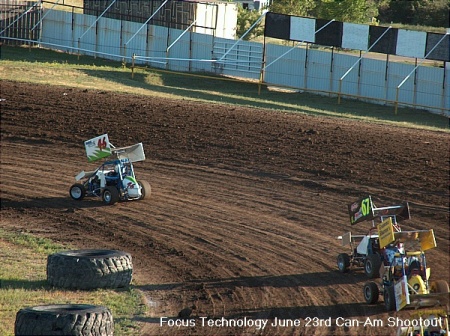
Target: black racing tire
146 189
110 195
77 191
372 266
343 262
89 269
371 292
64 319
389 298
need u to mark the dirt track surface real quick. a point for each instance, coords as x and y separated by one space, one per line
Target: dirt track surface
245 208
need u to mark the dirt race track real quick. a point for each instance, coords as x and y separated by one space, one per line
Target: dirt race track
245 208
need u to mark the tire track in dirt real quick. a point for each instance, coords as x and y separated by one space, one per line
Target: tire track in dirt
253 289
245 209
273 250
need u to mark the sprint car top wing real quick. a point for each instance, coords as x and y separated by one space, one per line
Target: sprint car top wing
99 147
364 210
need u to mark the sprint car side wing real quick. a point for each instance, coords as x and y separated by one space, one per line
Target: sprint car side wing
85 174
348 238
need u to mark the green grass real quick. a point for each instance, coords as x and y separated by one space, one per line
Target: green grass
23 284
439 30
56 68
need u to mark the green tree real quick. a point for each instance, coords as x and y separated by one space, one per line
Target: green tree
245 19
434 13
293 7
356 11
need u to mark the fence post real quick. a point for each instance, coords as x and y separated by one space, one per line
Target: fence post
259 83
339 92
263 64
396 100
124 64
132 65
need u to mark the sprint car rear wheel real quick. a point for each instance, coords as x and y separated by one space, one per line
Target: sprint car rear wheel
389 298
343 262
371 292
372 266
64 319
146 189
110 195
77 191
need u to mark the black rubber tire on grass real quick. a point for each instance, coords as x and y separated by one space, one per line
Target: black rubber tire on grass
64 319
146 189
89 269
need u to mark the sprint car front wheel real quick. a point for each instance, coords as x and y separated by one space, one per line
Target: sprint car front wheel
372 266
110 195
77 191
371 292
389 298
343 262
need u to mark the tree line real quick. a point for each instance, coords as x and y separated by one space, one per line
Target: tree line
430 13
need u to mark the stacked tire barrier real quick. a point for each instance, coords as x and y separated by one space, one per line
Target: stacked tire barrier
84 270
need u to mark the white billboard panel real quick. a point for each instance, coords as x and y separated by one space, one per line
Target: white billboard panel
411 43
302 29
355 36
